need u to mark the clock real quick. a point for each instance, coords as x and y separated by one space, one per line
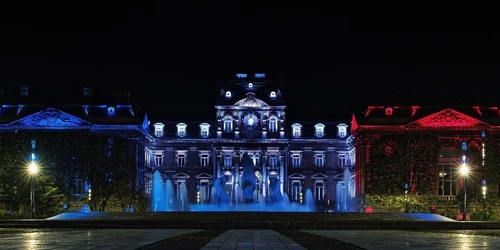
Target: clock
250 120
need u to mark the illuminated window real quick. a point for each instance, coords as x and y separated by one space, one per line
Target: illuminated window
204 190
228 160
158 129
255 158
273 124
158 160
319 190
296 130
259 75
446 180
296 159
319 130
228 123
204 158
273 161
204 130
181 129
342 130
181 158
319 159
241 75
296 190
147 154
342 160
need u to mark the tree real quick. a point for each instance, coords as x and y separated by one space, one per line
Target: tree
395 160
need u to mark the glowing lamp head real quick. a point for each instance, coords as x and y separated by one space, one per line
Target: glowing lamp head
464 169
33 168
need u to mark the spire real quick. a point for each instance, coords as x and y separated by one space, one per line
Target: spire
354 124
145 123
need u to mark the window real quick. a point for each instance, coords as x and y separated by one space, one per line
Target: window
204 159
204 191
204 127
181 129
158 160
255 158
296 160
273 161
147 155
319 130
273 124
228 123
446 180
342 160
319 190
228 160
319 159
342 130
296 191
296 130
181 158
158 129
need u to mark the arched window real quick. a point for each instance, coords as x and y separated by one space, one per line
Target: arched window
273 124
319 130
204 130
296 130
181 129
158 129
342 130
228 123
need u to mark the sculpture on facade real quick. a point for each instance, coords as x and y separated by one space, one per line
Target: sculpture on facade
248 182
274 186
220 195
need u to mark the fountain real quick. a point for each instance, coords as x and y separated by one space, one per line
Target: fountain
244 197
345 193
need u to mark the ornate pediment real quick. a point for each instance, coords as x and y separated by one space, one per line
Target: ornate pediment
448 118
251 101
51 117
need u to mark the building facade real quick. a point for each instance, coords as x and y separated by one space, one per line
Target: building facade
56 121
290 157
423 149
302 161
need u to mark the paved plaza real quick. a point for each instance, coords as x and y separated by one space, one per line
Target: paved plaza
79 235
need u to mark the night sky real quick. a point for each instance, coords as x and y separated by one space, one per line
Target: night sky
332 61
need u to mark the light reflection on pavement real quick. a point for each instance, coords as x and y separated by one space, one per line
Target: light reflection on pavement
399 239
44 238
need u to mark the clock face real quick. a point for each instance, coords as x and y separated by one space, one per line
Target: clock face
250 120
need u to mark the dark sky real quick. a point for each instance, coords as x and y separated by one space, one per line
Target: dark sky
332 60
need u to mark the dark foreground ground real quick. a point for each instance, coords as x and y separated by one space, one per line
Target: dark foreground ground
289 224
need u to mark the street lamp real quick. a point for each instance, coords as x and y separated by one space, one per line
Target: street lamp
464 171
32 170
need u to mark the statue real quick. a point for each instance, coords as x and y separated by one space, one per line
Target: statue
220 196
274 186
248 179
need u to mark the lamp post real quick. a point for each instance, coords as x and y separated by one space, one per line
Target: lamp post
32 169
464 171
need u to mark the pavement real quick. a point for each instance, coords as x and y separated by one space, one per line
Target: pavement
247 231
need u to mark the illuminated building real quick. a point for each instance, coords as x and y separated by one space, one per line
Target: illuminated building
250 117
423 147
